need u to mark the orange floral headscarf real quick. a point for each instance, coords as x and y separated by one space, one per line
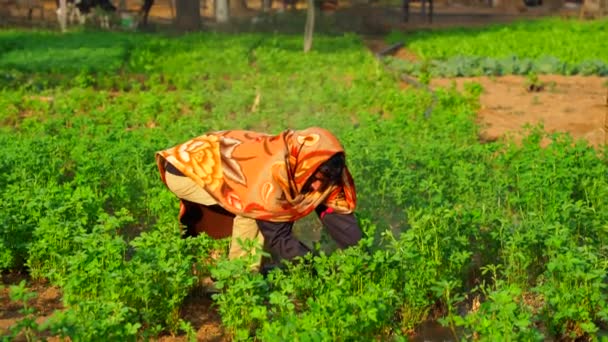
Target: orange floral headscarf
261 176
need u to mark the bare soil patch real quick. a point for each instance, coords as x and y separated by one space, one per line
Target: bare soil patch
574 104
197 309
48 300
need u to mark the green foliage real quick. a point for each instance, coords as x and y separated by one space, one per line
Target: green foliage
110 296
503 315
241 304
574 287
542 46
569 40
460 66
533 83
26 325
447 219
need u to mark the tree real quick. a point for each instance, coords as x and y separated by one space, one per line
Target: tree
188 15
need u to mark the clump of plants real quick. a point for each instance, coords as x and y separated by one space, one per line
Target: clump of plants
534 84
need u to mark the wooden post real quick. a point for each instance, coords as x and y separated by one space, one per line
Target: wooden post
63 14
222 11
310 26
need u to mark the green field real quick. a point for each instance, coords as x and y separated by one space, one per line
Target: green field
548 46
497 241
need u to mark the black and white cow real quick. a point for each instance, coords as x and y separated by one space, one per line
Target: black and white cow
79 10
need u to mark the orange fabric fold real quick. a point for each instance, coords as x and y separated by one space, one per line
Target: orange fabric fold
259 175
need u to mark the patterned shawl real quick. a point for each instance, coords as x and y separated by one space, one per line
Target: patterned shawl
260 176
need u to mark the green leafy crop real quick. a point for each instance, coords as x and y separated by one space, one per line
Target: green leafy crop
500 240
542 46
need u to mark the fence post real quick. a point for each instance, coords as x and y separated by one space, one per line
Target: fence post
63 14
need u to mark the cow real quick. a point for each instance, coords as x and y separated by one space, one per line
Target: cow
79 10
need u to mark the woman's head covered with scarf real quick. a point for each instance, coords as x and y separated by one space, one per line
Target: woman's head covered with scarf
267 177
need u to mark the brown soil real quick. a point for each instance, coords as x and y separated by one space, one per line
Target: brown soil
48 300
573 104
198 309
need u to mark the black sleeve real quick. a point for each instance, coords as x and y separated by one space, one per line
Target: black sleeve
280 241
343 228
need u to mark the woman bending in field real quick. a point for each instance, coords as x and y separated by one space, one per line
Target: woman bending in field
266 183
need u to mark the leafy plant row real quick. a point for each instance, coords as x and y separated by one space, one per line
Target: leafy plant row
538 46
571 41
464 66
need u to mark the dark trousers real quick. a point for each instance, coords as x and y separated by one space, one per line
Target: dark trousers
282 244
